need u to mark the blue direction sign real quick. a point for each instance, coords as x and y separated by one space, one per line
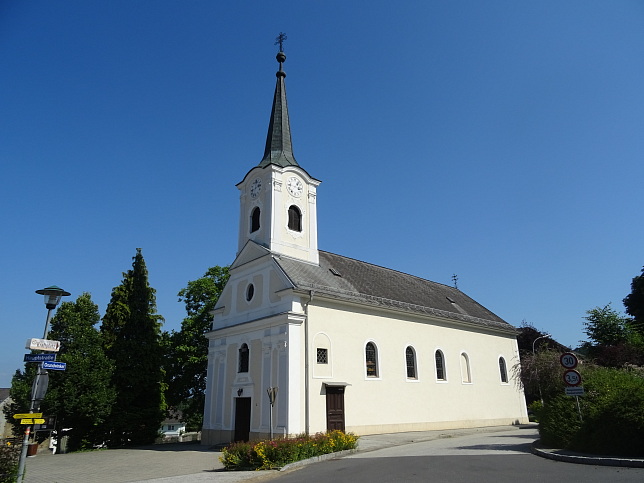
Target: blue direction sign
56 366
40 357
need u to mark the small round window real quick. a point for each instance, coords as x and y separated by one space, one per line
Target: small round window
250 291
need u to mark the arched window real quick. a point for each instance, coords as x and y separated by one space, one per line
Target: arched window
503 370
410 359
294 218
440 366
465 368
371 359
243 358
254 219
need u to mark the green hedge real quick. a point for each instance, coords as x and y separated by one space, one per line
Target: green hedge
271 454
612 413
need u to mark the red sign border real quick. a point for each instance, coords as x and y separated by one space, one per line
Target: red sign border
569 354
567 383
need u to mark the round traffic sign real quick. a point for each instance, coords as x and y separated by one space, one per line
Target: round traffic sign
572 377
568 360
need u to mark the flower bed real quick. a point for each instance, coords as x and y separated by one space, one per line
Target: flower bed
272 454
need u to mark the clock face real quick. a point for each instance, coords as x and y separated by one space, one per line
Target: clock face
294 186
255 188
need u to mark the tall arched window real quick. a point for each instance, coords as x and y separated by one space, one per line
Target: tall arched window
503 370
254 219
465 368
371 359
294 218
440 366
410 359
243 358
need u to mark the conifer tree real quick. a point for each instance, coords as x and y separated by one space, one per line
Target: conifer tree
132 337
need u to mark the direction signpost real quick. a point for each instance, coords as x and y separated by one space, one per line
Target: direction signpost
27 415
43 345
56 366
52 295
39 357
32 421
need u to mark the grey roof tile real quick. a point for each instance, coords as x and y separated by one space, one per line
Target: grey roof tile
374 285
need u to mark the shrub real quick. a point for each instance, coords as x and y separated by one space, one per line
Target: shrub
534 410
613 420
271 454
9 455
613 414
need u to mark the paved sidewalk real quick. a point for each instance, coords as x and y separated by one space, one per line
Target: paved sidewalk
183 463
188 463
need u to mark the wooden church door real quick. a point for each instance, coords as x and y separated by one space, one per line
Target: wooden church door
334 408
242 419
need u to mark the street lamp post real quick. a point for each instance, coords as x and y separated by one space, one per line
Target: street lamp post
536 367
52 295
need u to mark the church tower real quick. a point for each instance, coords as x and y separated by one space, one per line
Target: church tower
278 197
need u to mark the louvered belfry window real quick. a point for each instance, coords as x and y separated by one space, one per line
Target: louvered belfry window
294 218
254 219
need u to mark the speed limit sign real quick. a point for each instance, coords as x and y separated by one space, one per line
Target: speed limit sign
568 360
572 377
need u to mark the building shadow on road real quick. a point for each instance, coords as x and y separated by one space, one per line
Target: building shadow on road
520 448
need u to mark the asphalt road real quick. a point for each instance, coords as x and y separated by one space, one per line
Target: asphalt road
493 457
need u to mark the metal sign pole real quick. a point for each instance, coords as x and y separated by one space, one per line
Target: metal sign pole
37 391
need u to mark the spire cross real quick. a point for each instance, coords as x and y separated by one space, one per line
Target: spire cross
280 40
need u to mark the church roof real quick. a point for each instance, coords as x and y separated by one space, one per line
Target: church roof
279 148
355 281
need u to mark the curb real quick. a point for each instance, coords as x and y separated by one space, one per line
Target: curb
568 457
317 459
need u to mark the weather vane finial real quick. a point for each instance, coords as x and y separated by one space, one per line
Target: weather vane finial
280 40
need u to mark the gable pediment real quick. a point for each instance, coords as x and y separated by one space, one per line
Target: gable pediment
250 252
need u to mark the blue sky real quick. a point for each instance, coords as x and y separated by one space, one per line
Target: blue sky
500 141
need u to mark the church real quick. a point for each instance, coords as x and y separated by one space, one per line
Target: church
305 341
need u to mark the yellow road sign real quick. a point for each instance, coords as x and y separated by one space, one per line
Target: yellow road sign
39 421
26 421
27 415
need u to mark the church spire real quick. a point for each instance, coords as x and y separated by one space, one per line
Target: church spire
279 149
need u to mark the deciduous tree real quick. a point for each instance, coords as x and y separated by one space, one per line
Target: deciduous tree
605 326
80 397
187 350
634 303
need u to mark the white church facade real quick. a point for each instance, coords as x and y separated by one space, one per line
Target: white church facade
348 345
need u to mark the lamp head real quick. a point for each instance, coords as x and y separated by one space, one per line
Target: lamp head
52 295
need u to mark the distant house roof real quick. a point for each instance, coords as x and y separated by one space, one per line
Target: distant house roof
352 280
4 393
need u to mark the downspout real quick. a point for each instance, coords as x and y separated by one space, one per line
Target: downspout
306 364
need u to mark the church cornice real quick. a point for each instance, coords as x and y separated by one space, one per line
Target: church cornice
339 295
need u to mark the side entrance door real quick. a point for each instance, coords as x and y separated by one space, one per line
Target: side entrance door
334 408
242 419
